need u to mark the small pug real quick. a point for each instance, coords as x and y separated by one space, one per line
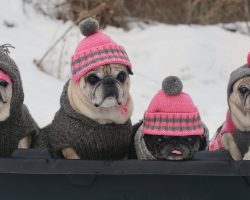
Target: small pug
174 147
238 143
103 96
172 128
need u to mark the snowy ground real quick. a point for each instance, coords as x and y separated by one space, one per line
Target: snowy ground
202 56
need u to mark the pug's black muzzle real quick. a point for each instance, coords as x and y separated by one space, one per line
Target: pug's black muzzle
171 147
109 87
175 152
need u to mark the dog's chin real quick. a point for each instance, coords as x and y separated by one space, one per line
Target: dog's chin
247 107
108 102
3 118
175 158
4 114
184 153
171 156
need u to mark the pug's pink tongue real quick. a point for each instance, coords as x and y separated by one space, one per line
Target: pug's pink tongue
177 152
123 109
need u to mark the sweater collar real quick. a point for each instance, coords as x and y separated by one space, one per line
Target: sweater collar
228 125
141 149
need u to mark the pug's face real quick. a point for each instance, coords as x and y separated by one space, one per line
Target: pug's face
106 86
240 95
5 100
172 147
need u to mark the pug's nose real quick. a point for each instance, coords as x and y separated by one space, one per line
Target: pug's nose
174 142
108 81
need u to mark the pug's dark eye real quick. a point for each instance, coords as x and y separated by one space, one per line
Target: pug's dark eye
160 140
189 139
243 90
121 77
93 79
3 84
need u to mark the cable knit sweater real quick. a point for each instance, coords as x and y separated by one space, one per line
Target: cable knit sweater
88 138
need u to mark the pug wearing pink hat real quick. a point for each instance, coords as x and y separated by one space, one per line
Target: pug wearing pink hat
234 134
172 128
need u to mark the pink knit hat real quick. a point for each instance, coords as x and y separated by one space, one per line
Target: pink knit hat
5 77
172 112
95 50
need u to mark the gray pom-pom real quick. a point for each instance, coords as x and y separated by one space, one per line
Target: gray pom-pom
172 85
89 26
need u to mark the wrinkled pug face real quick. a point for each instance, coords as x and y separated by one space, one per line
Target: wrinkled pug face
106 86
5 99
240 95
172 147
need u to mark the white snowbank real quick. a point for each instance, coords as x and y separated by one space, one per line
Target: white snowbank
202 56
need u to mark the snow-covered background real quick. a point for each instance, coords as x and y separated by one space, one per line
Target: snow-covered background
202 56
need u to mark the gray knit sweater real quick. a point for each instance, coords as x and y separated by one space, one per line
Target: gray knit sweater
20 123
88 138
242 140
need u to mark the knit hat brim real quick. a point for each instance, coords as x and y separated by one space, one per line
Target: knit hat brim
237 74
83 62
5 77
173 124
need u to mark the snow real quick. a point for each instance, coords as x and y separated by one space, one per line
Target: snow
202 56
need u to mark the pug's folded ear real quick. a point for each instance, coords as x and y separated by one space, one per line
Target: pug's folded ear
132 152
203 144
130 71
204 141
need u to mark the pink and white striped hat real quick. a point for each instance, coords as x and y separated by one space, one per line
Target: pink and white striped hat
95 50
172 112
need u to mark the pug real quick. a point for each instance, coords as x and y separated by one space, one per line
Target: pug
172 128
6 91
17 126
234 134
173 147
93 121
238 141
103 96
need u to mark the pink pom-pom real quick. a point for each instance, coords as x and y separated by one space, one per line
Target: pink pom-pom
248 58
